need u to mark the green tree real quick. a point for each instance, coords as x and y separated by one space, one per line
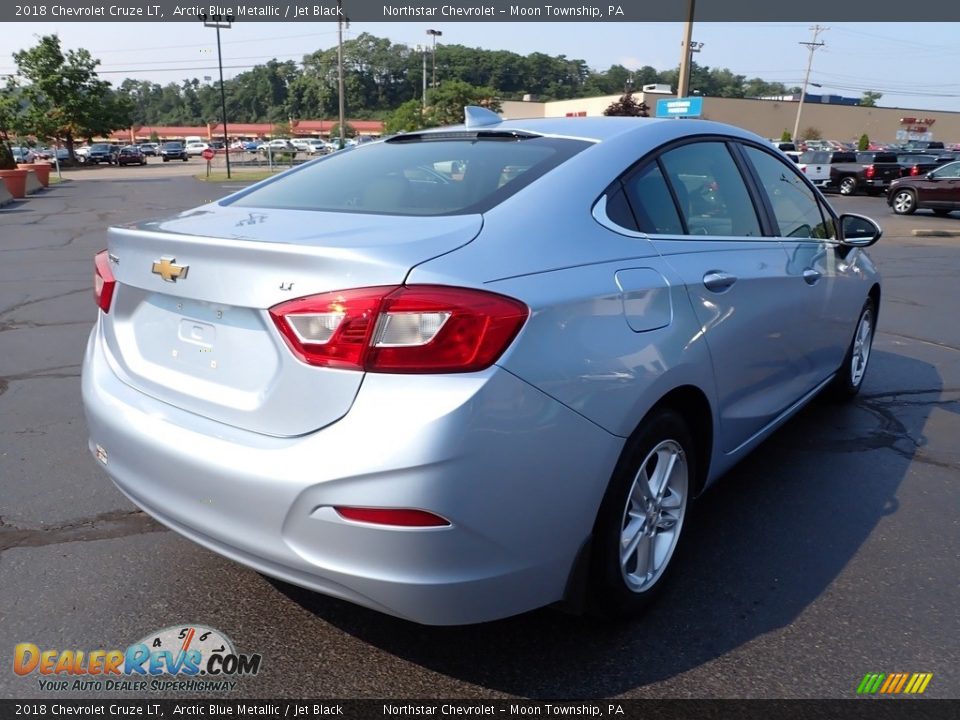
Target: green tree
10 112
811 133
870 98
281 130
445 104
154 138
406 118
785 136
626 106
864 142
65 98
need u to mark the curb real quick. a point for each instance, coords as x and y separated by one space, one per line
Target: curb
936 233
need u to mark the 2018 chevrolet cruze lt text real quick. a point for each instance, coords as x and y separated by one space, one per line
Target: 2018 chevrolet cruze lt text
466 372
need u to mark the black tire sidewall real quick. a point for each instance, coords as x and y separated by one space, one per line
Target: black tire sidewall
843 385
609 593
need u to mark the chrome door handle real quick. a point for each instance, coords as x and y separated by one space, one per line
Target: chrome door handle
811 276
718 281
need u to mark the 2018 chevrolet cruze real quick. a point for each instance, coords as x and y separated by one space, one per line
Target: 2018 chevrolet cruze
466 372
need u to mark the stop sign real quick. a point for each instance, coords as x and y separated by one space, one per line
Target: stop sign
207 154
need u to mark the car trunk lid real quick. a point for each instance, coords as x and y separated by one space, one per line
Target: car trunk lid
189 324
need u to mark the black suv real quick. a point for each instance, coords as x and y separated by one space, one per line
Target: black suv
173 151
103 153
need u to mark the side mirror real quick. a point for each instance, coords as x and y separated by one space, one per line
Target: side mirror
858 230
930 176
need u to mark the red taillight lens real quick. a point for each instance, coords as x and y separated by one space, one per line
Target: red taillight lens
914 171
388 516
405 329
870 171
103 281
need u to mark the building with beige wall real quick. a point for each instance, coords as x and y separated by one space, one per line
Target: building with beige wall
770 118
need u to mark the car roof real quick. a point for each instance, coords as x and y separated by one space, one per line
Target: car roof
599 129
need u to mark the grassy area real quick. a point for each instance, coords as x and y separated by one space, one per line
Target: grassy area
54 180
241 176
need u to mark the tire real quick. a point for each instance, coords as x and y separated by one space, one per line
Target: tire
904 202
848 185
626 578
166 159
850 376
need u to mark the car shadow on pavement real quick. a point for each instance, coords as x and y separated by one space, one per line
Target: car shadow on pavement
765 543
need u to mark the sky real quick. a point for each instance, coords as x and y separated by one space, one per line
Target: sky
912 64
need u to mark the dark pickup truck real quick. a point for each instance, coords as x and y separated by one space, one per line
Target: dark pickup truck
916 164
871 172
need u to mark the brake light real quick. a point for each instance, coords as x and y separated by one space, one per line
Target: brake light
914 171
402 517
103 281
401 329
870 172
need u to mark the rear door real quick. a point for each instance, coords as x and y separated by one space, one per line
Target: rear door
944 188
694 203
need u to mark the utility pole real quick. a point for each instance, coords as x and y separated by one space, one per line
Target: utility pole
340 22
812 46
683 81
218 22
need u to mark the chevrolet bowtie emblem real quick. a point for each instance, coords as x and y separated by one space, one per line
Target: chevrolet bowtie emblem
170 272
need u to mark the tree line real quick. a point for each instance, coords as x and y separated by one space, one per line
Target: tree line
56 94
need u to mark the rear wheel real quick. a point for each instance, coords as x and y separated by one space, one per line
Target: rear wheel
904 202
642 515
850 376
848 186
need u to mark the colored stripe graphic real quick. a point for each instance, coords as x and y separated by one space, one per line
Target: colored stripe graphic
894 683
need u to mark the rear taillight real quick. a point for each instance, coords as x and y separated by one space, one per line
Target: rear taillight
405 329
103 281
870 172
914 171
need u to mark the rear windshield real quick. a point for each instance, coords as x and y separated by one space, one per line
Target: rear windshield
445 174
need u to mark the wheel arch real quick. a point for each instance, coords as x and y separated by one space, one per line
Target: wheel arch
692 404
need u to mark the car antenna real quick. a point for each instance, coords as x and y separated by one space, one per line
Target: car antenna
480 117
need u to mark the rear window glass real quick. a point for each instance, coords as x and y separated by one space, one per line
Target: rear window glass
422 175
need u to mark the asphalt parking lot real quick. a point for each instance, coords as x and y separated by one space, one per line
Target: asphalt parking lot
833 551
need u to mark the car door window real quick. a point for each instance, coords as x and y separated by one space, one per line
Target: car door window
713 197
948 171
795 207
653 205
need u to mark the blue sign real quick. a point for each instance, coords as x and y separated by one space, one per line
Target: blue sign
680 107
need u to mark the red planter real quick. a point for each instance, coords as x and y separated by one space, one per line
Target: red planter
42 170
16 181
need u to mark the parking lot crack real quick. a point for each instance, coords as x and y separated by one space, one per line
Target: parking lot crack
33 301
105 526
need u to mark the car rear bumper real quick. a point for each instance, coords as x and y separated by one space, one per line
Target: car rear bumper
518 475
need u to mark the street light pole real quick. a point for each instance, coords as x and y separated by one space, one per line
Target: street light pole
423 51
435 34
340 22
812 46
225 22
683 82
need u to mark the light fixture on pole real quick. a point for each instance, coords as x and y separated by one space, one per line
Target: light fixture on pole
435 34
218 22
812 46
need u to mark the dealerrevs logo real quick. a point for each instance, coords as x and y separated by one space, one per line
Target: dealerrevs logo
181 658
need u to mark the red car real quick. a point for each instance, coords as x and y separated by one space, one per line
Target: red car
938 190
131 155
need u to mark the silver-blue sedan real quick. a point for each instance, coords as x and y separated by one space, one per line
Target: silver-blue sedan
461 373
